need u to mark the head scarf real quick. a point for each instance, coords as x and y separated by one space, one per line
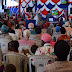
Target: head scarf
57 28
4 28
46 37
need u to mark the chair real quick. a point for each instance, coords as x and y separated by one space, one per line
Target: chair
18 60
0 58
23 47
4 45
40 61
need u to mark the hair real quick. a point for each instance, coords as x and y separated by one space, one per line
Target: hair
38 30
42 42
61 49
10 68
13 45
61 19
63 31
16 26
1 24
34 48
12 31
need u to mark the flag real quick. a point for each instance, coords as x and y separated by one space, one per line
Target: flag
7 13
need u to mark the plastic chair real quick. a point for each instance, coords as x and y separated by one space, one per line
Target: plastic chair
23 47
4 45
18 60
40 61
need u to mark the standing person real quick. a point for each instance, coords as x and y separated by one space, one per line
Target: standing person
61 22
48 16
61 50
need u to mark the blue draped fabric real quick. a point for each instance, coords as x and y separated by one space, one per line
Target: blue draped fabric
50 6
39 6
63 5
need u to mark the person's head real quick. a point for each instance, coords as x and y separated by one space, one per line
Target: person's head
67 24
34 48
63 31
26 34
10 68
12 31
38 30
30 25
61 19
57 28
46 38
17 26
13 45
4 28
0 24
61 50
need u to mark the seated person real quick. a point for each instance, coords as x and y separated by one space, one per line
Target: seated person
26 40
61 50
67 27
56 34
13 46
31 51
31 28
47 48
4 39
37 37
4 32
18 32
50 28
10 68
63 35
13 35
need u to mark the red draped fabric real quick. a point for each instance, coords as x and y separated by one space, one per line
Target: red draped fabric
43 1
44 12
55 1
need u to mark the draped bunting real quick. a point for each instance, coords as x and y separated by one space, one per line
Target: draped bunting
70 16
44 12
43 1
44 6
55 1
63 5
50 6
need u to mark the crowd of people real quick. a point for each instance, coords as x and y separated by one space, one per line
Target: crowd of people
42 39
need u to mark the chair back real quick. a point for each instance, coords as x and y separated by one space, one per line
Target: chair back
23 47
40 62
18 60
4 45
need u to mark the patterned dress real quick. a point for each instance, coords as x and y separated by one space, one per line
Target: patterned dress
46 49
